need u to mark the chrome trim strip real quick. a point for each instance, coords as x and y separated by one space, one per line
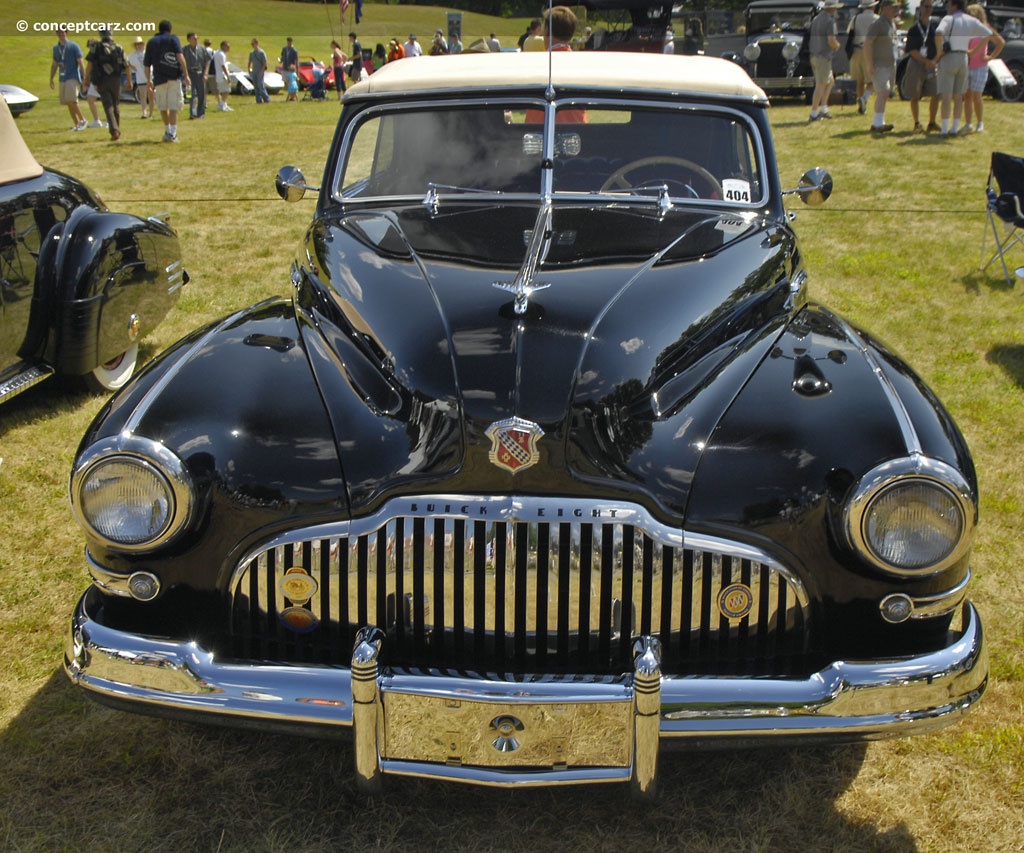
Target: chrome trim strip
29 375
846 700
929 606
910 437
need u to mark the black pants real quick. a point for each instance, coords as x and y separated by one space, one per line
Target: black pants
110 97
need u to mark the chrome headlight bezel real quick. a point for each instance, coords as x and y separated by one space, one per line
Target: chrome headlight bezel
915 471
167 473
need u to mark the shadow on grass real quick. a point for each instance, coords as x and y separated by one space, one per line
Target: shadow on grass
81 776
1010 357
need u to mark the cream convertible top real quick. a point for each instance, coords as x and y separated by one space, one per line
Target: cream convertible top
16 161
693 75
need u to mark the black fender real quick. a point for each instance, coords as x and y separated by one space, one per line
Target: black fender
781 464
238 404
103 281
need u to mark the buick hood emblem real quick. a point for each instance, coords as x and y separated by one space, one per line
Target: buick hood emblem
514 444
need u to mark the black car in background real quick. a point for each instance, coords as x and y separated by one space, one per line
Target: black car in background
777 53
80 285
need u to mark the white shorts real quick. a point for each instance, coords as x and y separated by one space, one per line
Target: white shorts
168 96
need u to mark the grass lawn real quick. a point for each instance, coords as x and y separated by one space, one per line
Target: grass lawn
895 250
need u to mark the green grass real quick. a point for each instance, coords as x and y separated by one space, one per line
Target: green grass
895 250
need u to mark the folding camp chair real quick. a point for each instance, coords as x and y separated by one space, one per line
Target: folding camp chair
1005 194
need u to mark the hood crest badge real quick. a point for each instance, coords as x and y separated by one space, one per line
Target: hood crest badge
514 444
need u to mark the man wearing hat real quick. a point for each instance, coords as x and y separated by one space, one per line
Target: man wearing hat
412 47
858 31
137 64
103 67
919 78
880 57
823 46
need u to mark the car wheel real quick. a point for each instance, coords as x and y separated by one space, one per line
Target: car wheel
1016 91
115 373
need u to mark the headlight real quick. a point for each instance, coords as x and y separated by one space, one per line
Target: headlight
131 492
752 52
790 51
912 517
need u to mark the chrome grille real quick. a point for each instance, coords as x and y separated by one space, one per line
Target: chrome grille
517 586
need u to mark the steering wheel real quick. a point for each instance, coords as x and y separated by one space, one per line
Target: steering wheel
617 180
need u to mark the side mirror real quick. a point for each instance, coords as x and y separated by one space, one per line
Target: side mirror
291 183
815 186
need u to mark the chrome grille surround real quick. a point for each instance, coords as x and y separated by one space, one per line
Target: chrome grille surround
523 585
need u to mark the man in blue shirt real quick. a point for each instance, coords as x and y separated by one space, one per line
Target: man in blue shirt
166 71
67 57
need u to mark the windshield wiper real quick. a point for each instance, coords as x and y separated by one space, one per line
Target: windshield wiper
430 200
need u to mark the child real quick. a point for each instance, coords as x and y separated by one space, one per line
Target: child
292 82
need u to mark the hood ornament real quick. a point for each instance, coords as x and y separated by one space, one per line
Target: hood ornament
514 444
525 285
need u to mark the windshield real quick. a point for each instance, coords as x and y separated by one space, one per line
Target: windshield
642 151
794 20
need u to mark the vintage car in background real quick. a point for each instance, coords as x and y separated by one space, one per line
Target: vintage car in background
777 53
547 462
241 81
80 285
310 68
18 100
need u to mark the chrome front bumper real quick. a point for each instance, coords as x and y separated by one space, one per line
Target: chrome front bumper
531 732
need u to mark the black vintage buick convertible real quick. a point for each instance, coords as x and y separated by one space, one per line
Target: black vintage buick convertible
548 460
79 285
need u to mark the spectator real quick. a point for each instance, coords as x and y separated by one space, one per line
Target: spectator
338 61
493 45
223 75
197 60
138 74
977 68
439 47
559 27
532 32
291 83
412 47
919 78
823 46
858 31
289 55
92 94
104 65
880 58
257 70
67 58
357 58
165 72
952 41
380 57
395 50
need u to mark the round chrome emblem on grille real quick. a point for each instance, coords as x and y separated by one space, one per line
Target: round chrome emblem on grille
298 586
506 726
735 601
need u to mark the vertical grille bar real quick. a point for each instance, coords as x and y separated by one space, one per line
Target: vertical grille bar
522 565
607 581
543 588
481 545
564 559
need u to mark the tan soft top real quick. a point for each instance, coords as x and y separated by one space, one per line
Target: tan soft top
657 72
16 161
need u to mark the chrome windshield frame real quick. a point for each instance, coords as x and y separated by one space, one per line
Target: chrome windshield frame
546 190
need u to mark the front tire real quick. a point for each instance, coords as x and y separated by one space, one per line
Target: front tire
115 374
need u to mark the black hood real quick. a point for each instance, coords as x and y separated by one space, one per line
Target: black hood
638 333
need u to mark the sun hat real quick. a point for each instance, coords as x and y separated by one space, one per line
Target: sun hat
867 4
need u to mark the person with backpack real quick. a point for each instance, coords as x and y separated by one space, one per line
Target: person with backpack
104 66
